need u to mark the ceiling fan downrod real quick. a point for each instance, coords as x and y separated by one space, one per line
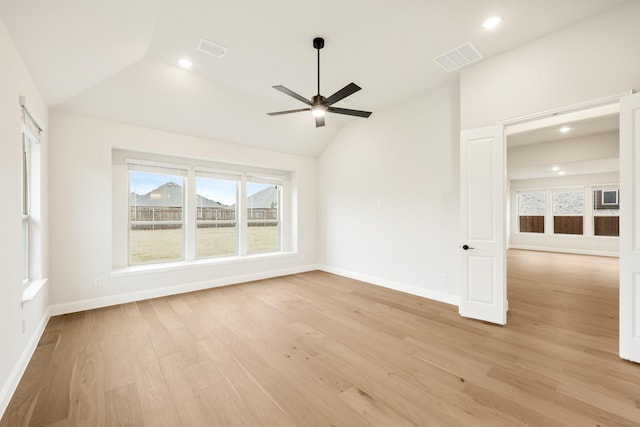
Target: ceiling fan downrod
318 43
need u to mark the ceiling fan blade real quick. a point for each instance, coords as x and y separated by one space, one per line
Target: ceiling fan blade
277 113
319 121
349 112
292 94
349 89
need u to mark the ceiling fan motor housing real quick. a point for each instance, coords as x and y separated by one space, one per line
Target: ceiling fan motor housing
318 100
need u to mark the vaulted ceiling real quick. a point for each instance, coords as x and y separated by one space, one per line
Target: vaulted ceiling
117 59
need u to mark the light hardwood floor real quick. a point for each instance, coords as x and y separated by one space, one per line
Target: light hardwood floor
316 349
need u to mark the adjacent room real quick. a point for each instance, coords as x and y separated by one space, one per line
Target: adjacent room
354 214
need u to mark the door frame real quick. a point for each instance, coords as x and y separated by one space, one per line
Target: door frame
501 133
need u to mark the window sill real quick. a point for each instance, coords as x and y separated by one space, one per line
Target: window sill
32 289
564 236
201 263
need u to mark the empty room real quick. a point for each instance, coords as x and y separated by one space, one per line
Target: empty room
409 213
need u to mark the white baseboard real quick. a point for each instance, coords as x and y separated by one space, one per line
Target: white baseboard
72 307
11 384
391 284
566 251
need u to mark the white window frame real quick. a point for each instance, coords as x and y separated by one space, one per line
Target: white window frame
519 193
122 161
585 206
603 188
220 175
26 205
164 169
278 183
31 168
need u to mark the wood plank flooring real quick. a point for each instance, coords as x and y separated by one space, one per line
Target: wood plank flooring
316 349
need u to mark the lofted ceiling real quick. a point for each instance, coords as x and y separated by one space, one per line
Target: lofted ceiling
116 59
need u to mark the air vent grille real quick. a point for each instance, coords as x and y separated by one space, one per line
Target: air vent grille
211 48
459 57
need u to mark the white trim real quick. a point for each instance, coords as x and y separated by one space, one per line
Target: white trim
566 250
31 289
212 173
264 178
152 268
94 303
397 286
11 384
133 163
611 99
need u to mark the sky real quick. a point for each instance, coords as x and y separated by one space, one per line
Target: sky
219 190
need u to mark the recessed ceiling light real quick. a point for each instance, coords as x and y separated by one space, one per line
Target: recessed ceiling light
491 23
565 129
185 63
555 168
561 172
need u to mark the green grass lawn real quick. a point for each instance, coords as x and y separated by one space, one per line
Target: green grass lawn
166 245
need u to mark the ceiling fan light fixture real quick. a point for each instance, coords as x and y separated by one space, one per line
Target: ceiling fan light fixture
318 111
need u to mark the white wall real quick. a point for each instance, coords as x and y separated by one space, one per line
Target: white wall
573 155
587 244
388 204
592 59
81 213
16 344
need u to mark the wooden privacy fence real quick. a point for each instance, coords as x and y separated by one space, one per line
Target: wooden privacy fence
602 225
166 217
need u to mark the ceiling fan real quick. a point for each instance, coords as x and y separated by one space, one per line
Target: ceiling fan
318 104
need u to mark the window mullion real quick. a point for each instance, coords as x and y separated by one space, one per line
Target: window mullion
243 216
190 216
588 212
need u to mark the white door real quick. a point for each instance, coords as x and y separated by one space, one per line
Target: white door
482 185
630 227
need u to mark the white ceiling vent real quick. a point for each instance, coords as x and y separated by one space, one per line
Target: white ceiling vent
211 48
459 57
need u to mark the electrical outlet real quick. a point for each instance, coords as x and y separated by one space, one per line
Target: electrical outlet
97 283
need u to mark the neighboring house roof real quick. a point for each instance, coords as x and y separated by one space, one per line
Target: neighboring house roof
170 194
267 198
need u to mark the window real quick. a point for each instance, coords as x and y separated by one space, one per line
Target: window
217 224
183 210
30 195
531 211
606 213
156 215
263 220
568 211
26 204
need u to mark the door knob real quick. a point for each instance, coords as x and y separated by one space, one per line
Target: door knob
467 247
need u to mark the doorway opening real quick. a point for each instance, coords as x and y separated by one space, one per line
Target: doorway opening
562 222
